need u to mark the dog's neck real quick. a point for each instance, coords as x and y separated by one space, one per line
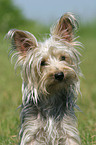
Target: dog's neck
56 105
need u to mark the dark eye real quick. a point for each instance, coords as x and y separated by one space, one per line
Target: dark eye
43 63
63 58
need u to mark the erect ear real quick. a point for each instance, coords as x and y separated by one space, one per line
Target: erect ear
22 41
64 29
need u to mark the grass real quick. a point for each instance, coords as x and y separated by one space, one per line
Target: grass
10 92
87 119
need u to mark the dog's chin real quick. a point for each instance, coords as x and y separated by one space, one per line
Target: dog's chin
58 86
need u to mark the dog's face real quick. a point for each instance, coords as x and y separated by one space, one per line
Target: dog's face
52 65
55 66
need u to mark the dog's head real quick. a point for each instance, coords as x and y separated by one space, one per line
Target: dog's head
50 65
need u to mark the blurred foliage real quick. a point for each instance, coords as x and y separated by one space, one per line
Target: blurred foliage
88 29
10 16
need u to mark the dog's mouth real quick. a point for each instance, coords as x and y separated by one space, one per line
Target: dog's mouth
58 81
59 85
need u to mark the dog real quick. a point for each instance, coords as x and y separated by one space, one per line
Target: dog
50 74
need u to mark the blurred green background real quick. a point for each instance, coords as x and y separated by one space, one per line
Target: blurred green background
10 83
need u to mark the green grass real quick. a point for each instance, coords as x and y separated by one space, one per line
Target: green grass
10 92
87 103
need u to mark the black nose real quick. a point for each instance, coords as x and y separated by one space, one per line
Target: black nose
59 76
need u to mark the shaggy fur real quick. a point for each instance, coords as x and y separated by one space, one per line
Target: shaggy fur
50 72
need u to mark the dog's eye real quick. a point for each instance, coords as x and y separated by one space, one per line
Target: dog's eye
62 58
43 63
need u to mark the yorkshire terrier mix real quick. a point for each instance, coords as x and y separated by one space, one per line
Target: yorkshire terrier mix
50 72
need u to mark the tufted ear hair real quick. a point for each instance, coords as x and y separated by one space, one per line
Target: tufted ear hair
22 41
64 29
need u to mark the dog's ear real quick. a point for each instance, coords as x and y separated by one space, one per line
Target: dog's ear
22 41
64 29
